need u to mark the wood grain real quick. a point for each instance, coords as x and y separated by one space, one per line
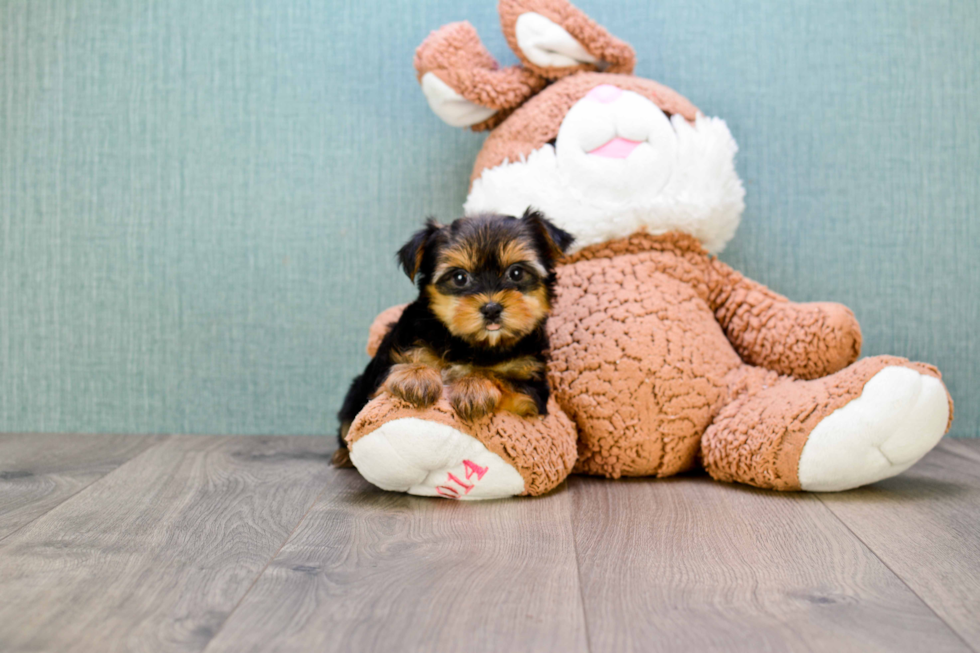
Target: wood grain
154 556
925 525
40 470
688 564
968 448
221 544
374 571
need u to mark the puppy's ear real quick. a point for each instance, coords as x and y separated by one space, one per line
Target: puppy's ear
411 254
556 240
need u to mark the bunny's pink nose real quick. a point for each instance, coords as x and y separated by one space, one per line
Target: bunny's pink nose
605 93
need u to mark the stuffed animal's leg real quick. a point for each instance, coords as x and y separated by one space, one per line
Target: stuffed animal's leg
870 421
432 452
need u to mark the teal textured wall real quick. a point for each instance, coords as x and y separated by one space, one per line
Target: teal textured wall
200 199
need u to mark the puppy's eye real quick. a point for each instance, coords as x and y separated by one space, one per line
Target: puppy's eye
460 278
515 274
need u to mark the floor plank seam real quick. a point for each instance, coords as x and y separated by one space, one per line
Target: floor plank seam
578 568
85 487
261 573
897 575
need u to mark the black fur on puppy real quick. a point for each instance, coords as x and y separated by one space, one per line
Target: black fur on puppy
486 284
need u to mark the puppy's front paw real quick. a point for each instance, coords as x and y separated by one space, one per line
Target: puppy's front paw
473 397
519 404
419 385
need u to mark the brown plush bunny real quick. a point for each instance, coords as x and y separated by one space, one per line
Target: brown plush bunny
663 358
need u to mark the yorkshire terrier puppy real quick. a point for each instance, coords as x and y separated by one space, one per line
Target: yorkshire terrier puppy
486 284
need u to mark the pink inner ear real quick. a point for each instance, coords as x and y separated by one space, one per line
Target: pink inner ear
617 148
605 93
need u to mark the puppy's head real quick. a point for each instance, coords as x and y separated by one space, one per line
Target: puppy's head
490 278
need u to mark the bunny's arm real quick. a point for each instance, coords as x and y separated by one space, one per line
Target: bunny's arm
807 340
381 325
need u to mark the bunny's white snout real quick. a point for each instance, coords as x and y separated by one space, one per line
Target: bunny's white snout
615 143
619 165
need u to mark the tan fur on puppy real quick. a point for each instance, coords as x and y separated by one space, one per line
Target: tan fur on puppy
478 325
417 384
472 397
523 312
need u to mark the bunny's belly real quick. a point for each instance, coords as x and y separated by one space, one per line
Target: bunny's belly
638 362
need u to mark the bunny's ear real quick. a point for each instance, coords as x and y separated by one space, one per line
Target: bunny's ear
463 83
554 39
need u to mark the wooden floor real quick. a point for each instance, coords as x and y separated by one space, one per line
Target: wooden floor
234 544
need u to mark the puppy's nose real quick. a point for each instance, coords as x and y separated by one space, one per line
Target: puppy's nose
491 311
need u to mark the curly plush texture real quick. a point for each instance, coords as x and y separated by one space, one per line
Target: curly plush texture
758 437
541 449
703 197
662 357
650 341
382 323
537 121
803 340
766 329
617 56
454 54
636 350
652 335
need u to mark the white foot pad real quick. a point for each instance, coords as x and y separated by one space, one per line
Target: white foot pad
899 416
431 459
